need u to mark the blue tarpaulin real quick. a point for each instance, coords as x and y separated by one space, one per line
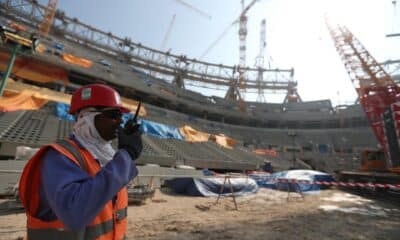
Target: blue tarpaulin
62 112
58 46
276 180
160 130
210 187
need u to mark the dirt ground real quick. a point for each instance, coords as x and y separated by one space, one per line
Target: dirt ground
331 214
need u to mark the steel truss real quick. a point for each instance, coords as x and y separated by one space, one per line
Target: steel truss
30 13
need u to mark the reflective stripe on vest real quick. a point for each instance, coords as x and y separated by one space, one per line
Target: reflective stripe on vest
90 233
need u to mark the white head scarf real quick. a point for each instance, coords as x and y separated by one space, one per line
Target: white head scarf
87 135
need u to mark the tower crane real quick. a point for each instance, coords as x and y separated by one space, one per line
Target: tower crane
50 11
200 12
233 92
242 54
379 97
236 21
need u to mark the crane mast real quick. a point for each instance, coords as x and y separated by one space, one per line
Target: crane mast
48 18
242 44
260 62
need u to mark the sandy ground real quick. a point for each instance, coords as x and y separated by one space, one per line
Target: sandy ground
331 214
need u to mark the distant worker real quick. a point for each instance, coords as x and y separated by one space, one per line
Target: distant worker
75 188
267 167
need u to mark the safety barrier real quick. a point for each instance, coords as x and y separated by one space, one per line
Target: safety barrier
267 178
283 180
342 184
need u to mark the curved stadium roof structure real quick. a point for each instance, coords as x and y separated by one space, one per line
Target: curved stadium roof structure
314 133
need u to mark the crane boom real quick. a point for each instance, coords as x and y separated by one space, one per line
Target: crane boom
200 12
362 67
168 32
377 91
246 9
213 44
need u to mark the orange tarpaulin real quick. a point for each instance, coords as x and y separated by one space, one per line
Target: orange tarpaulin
51 95
37 92
69 58
223 141
20 101
34 70
192 135
269 152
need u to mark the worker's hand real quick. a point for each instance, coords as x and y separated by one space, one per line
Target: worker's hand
130 139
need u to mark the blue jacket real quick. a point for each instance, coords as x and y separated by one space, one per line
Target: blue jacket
69 194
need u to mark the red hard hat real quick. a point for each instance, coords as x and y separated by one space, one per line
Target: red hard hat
96 95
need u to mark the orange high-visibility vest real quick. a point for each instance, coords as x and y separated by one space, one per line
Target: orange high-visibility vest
110 223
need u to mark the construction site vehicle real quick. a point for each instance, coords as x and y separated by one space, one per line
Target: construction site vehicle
379 97
373 169
380 165
373 160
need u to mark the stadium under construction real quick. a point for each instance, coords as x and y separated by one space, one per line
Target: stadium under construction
291 134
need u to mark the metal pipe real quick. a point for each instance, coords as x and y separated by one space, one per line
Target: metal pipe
9 68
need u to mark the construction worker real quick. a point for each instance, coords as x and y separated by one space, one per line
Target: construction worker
75 188
267 167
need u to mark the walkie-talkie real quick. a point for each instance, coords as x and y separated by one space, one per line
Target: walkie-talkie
131 125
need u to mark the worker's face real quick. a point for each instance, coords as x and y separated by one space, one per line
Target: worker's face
107 123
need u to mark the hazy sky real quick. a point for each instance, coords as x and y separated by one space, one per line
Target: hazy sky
296 34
